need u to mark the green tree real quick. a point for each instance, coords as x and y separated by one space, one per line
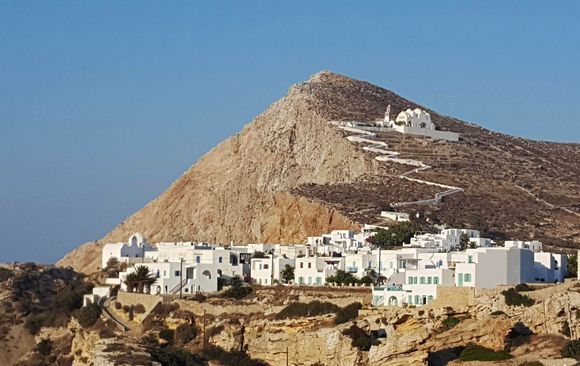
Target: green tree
395 235
112 263
237 289
369 277
342 277
287 273
463 242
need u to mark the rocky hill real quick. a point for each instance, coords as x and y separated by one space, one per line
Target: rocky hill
290 173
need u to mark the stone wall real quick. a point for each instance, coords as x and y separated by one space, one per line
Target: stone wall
148 301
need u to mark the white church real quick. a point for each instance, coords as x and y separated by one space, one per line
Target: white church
415 122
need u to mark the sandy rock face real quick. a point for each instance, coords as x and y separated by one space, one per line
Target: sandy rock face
240 190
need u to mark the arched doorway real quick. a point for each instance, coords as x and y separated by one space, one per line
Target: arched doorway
393 301
207 274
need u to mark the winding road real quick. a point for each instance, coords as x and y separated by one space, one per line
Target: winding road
380 147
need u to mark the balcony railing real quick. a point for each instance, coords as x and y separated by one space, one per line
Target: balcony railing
352 269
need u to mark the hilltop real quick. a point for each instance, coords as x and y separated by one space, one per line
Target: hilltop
290 173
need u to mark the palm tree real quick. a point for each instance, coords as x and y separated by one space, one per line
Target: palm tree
131 281
144 277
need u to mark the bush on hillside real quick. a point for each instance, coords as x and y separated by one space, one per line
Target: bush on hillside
360 338
519 334
45 347
514 298
449 323
474 352
347 313
173 356
88 315
139 309
237 289
523 287
571 349
185 333
167 335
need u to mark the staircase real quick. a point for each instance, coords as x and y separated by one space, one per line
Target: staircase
178 287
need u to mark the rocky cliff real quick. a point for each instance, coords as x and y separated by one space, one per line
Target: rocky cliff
290 173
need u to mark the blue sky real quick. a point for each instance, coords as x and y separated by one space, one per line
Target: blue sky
103 104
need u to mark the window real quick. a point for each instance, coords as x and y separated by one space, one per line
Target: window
429 280
410 299
410 280
176 273
467 277
198 259
220 259
436 280
266 266
310 280
319 281
422 280
470 259
430 298
309 265
260 266
301 280
417 299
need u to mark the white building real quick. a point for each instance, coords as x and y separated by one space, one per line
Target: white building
416 118
416 273
171 277
481 242
267 271
291 251
492 267
340 241
227 262
534 246
130 252
395 216
550 267
314 271
359 264
416 122
98 293
446 240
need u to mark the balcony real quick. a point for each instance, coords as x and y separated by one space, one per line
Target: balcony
352 269
389 288
394 287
